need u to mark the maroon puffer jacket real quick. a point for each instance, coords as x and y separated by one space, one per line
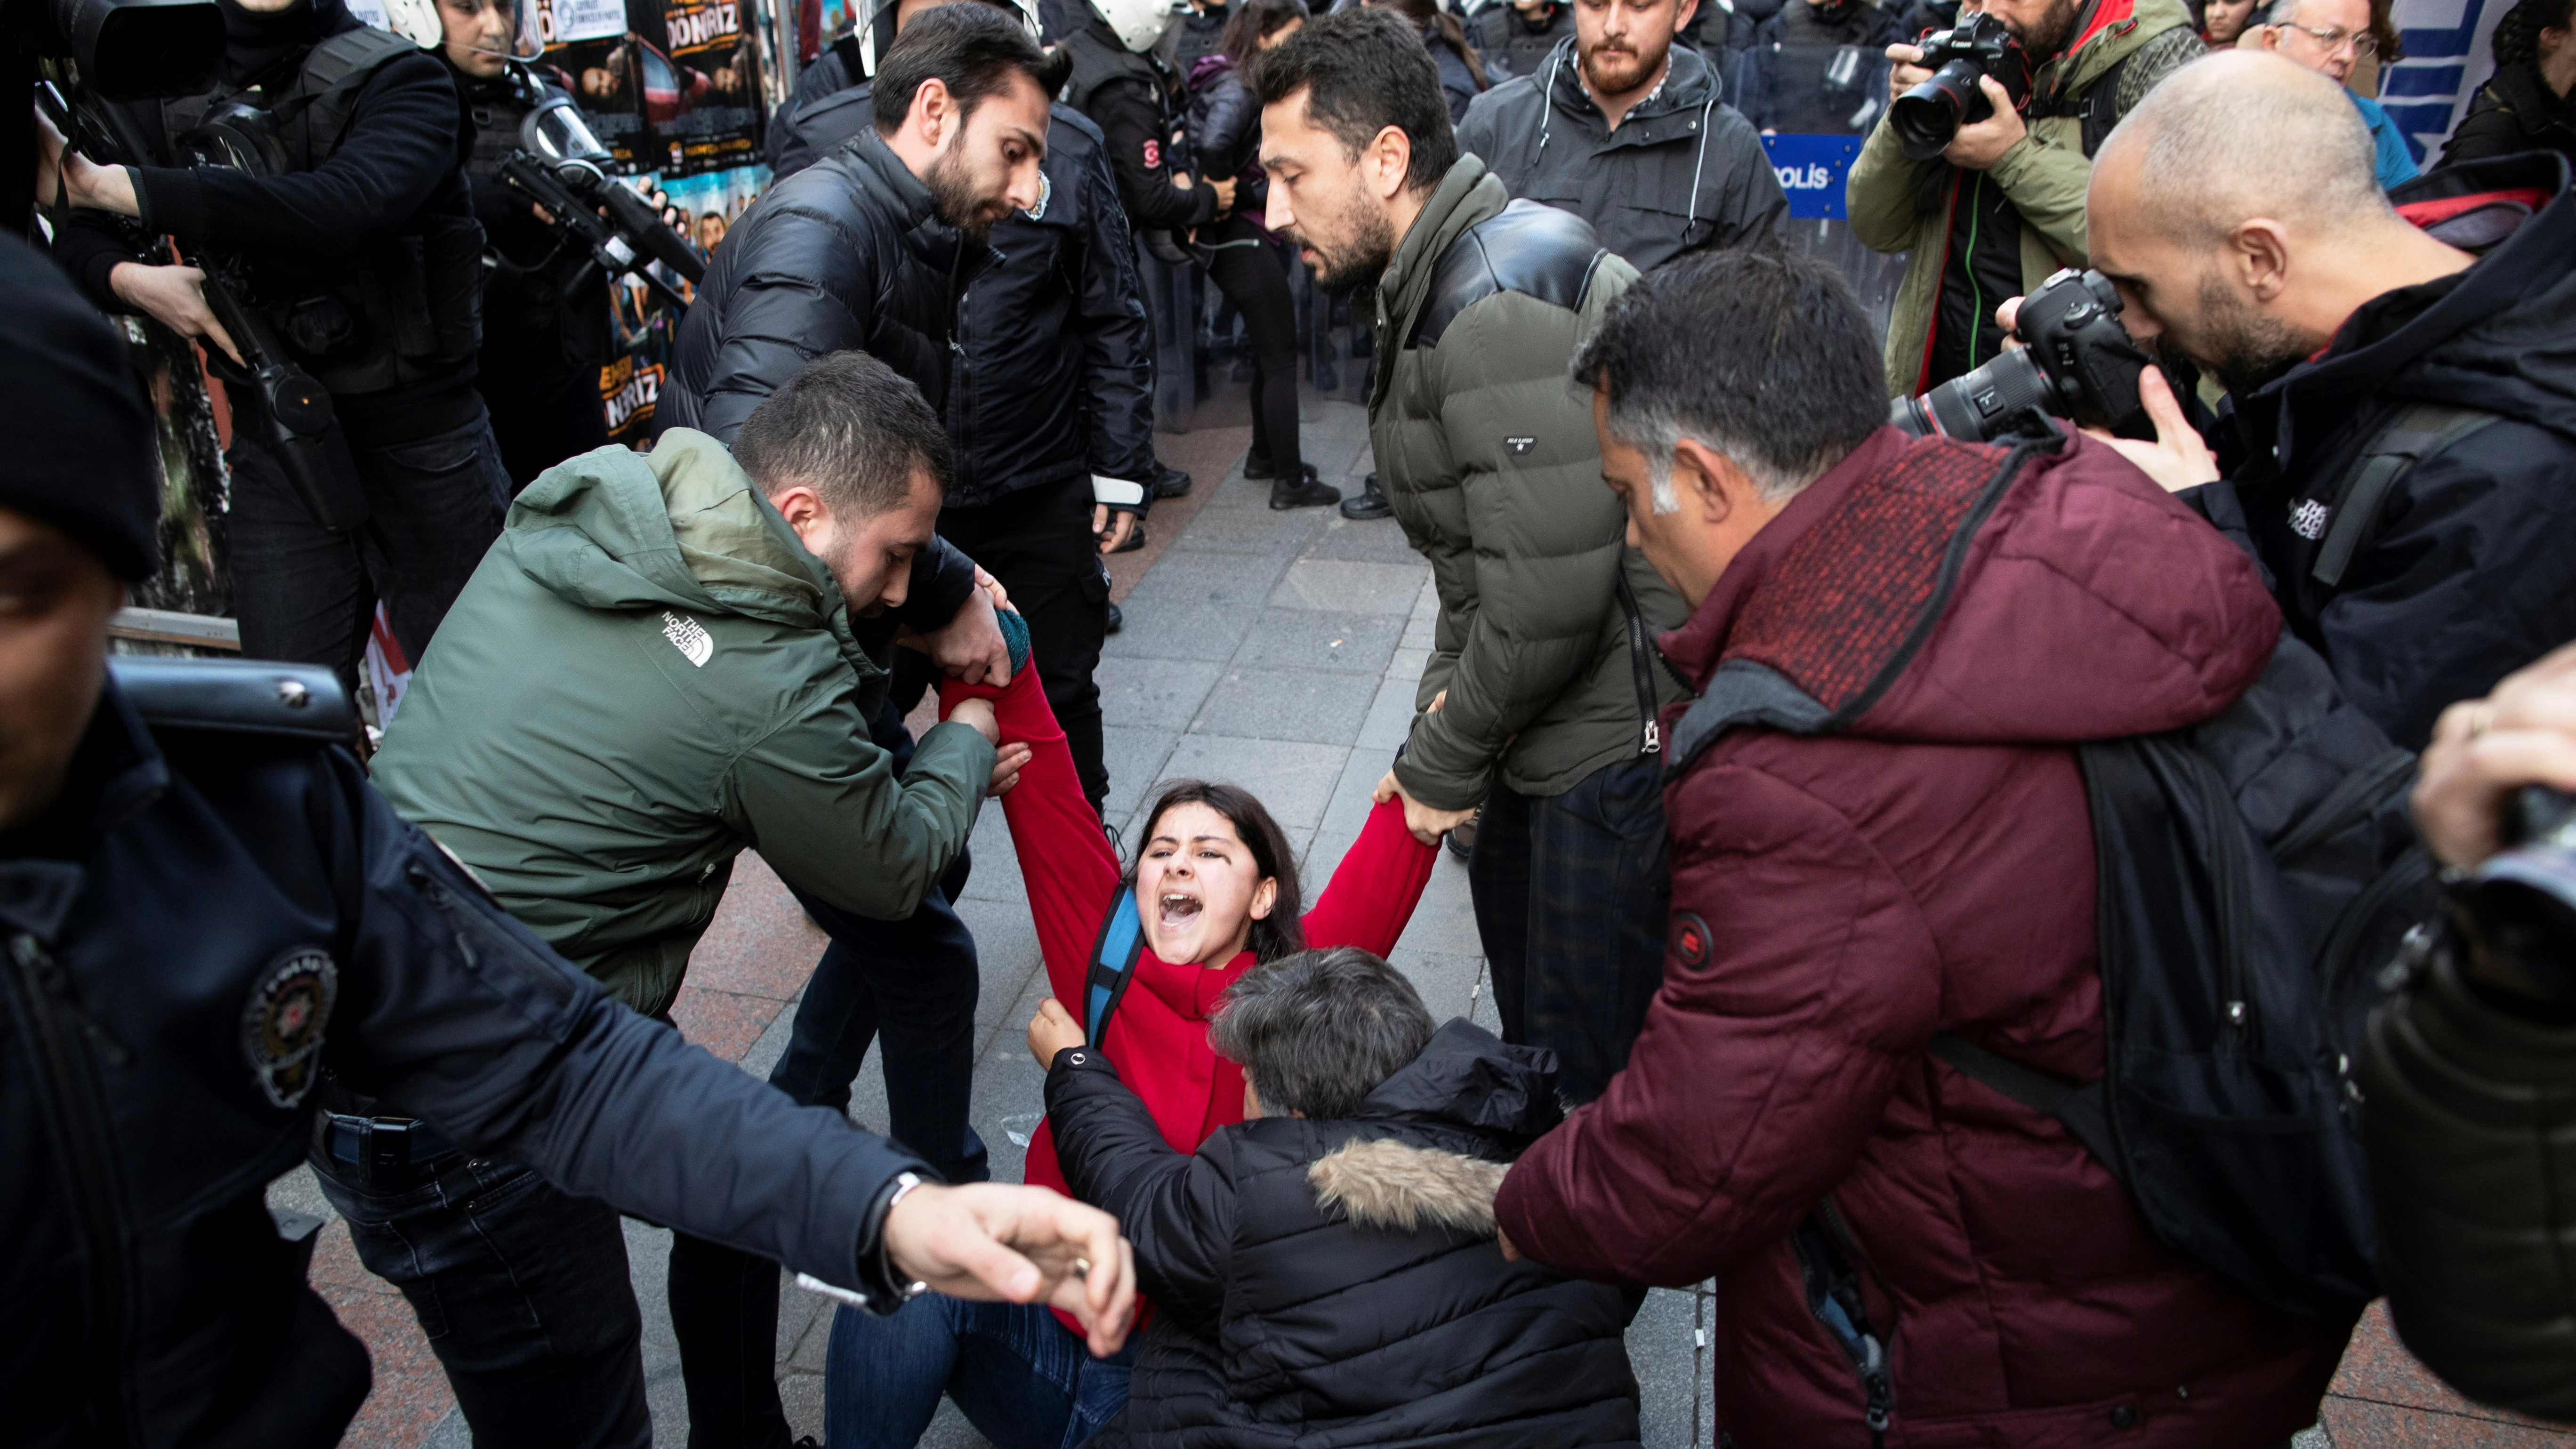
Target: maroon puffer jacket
1925 866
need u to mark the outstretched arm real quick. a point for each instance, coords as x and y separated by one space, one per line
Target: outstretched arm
1374 890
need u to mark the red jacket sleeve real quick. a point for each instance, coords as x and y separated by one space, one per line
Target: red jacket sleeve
1374 890
1066 865
1761 1074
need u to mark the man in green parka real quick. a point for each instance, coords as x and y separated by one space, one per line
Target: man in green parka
653 670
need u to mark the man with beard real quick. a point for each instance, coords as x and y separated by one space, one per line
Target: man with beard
2003 207
2405 418
1626 129
1539 699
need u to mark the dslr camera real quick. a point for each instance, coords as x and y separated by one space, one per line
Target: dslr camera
1927 116
2516 913
2076 361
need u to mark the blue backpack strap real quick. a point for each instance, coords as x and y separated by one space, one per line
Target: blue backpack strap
1113 964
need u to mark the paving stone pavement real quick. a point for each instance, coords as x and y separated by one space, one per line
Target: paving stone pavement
1278 651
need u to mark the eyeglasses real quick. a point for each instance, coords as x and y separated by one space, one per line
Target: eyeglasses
2335 37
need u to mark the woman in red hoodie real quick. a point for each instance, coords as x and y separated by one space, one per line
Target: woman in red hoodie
1139 960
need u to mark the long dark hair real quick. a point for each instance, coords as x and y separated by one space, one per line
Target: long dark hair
1432 20
1279 933
1254 21
2517 35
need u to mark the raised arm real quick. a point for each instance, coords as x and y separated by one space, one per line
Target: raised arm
1066 865
1374 890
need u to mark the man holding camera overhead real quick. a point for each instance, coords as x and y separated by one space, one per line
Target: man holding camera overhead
1980 172
322 166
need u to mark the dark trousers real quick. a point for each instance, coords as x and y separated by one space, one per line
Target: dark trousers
1247 268
915 980
1571 893
542 422
1038 542
523 1294
308 595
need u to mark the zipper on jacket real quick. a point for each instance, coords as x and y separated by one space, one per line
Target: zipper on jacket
80 1124
1827 1253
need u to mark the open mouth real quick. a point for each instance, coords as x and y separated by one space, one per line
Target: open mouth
1175 910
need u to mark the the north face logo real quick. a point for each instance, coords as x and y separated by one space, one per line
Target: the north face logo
689 637
2308 519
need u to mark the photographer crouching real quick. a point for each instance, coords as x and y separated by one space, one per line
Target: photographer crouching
1979 165
320 178
2405 413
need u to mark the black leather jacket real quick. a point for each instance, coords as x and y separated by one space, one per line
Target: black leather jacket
218 909
848 253
1053 375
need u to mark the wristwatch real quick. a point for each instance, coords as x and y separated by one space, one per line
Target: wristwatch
879 1290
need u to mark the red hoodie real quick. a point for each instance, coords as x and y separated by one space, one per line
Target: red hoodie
1158 1037
1928 866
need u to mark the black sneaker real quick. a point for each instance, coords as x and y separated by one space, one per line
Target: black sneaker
1306 492
1258 468
1169 482
1462 838
1117 620
1370 504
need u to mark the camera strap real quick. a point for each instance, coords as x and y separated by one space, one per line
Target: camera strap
1641 654
2417 433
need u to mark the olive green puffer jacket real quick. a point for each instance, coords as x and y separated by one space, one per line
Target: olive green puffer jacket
647 674
1486 452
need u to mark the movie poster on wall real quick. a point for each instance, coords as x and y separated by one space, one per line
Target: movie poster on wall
588 44
706 117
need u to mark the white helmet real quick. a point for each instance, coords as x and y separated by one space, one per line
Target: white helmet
1139 24
416 21
878 20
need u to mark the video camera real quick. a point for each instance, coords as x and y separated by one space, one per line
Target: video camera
560 166
2076 361
1928 116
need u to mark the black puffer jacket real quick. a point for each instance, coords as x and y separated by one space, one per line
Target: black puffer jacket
2470 571
1511 45
2515 111
848 253
1338 1282
1053 373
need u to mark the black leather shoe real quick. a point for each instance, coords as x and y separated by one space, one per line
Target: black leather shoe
1306 492
1117 620
1462 838
1170 482
1258 468
1370 504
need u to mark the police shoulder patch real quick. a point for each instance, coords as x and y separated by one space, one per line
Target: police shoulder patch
1153 153
283 1021
1690 941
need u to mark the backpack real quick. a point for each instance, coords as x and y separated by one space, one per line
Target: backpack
2254 873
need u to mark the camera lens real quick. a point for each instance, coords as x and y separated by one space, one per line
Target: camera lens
1927 116
138 49
1979 405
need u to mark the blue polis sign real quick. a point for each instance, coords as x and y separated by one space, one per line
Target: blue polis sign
1811 171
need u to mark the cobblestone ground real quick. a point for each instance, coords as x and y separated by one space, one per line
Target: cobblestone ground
1278 651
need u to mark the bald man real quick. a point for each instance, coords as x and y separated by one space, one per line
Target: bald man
2402 450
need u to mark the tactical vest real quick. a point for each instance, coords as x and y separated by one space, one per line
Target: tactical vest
1097 62
405 307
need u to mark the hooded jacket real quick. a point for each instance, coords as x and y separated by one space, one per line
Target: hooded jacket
848 253
1904 848
1053 372
216 909
1338 1282
2514 112
2470 572
647 675
1682 172
1489 460
1896 205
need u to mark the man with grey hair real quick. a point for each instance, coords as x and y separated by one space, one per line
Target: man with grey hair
2330 37
2404 418
1879 834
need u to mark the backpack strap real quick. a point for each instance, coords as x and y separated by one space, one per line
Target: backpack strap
1113 964
2415 434
2079 1110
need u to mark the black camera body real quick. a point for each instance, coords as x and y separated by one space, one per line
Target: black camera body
2076 362
1928 116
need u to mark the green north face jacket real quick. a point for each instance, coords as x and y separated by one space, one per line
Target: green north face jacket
1487 454
646 675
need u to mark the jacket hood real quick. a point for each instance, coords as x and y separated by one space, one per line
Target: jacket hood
1468 1077
681 527
2501 339
1383 1183
1917 592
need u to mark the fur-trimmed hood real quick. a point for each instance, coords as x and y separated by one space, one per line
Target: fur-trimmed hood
1383 1183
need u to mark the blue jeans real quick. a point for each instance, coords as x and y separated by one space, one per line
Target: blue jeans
915 982
1020 1376
1571 896
523 1294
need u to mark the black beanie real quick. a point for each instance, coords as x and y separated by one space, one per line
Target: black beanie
85 458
